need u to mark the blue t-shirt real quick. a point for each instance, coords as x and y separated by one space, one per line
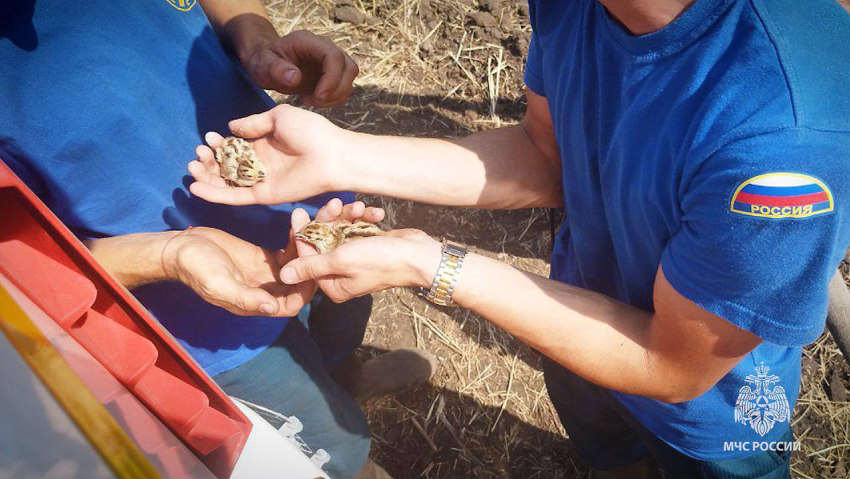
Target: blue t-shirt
102 107
718 149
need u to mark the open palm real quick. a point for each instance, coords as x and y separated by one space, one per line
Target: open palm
296 146
234 274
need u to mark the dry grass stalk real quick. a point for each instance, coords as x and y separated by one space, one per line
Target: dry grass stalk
426 71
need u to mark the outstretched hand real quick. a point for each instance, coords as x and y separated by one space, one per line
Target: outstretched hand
243 278
236 275
406 257
301 151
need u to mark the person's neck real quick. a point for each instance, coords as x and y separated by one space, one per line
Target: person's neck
645 16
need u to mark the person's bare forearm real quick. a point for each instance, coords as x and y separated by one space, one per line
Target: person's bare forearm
592 335
239 24
497 169
602 340
134 259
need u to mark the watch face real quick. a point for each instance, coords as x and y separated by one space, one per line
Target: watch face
455 249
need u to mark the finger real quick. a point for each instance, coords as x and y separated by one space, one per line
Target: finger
241 299
345 88
353 211
306 268
374 214
213 139
332 290
288 297
283 256
299 219
297 297
333 67
255 126
330 212
224 194
200 173
206 156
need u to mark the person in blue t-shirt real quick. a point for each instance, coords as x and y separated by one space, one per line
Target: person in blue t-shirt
701 150
102 103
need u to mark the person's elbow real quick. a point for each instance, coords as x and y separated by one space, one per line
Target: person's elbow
681 395
683 389
677 380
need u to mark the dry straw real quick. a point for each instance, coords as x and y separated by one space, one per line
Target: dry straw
427 69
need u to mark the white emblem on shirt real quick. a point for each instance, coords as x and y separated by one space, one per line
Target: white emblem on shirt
763 405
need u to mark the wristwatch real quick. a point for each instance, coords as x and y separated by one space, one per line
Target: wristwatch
447 274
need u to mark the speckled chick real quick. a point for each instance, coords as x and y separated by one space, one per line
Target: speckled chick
238 162
326 237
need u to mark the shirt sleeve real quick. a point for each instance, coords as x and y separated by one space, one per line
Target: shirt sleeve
534 61
764 226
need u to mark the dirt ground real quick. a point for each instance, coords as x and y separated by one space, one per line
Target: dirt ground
448 68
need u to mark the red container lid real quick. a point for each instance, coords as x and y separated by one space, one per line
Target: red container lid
50 265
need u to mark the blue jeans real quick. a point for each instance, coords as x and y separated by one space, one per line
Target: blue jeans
606 435
290 378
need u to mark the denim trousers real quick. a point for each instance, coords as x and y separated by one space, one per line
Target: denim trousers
291 378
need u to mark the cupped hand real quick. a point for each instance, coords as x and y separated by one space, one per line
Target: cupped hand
302 151
399 258
304 64
334 212
234 274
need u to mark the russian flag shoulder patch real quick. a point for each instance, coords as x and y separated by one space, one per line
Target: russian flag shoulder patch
782 195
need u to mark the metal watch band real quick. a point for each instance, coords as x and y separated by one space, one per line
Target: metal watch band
447 274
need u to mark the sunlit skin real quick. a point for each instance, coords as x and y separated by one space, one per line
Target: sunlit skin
225 270
673 354
300 63
222 269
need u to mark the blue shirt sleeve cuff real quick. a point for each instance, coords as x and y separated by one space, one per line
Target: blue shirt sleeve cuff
767 328
534 82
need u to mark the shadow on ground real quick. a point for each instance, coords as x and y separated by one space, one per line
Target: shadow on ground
459 425
437 432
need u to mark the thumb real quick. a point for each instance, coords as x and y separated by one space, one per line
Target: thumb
254 126
284 73
299 219
306 268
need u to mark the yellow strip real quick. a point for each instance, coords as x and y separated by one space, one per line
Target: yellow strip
182 5
104 434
